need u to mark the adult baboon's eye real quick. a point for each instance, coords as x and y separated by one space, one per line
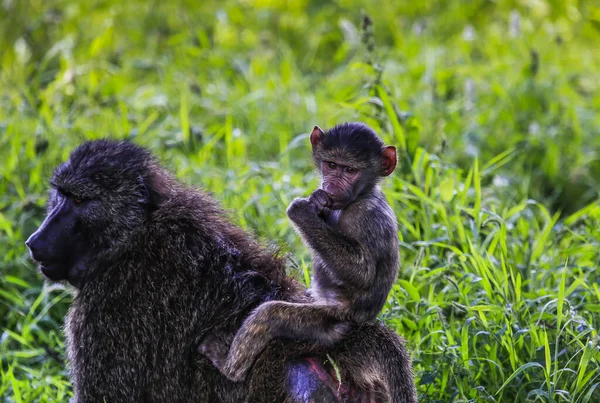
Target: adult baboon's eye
77 201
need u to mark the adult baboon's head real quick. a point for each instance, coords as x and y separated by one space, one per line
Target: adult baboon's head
99 198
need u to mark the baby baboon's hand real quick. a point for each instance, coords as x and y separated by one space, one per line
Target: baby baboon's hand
299 209
320 201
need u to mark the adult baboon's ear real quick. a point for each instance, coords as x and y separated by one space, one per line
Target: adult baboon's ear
316 136
388 160
150 194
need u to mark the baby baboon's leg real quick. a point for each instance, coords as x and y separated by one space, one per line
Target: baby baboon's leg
322 324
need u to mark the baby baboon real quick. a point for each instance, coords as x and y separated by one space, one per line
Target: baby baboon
158 267
352 232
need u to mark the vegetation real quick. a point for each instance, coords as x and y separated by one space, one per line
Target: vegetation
493 104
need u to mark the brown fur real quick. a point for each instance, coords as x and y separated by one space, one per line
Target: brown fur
159 267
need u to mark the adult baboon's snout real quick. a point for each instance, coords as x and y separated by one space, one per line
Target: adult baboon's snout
38 247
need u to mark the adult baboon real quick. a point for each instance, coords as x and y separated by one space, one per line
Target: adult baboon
157 267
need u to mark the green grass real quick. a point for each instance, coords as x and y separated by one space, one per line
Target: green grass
493 104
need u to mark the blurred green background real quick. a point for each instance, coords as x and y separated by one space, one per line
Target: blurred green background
493 105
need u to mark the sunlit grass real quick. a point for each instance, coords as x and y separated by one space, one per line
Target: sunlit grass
492 104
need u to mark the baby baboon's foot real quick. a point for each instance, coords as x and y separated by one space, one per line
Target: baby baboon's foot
216 350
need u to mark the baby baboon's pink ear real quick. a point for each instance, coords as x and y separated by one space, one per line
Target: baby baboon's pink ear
316 136
389 160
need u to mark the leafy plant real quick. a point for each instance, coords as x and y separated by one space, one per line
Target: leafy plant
493 104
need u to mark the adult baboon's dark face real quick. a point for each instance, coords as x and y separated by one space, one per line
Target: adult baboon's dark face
98 200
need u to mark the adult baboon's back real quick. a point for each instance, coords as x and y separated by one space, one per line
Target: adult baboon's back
158 266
